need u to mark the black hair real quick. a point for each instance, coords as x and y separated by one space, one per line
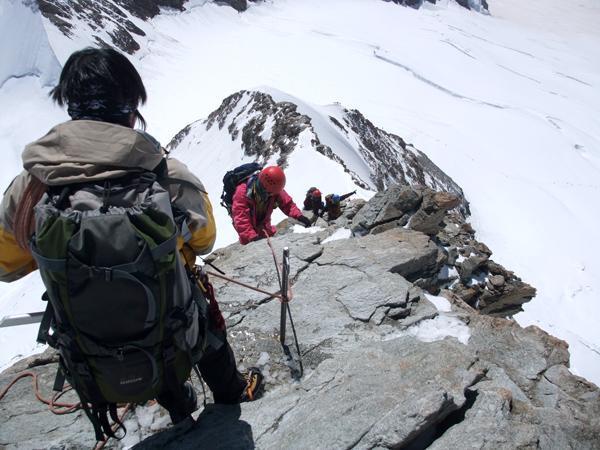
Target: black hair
100 84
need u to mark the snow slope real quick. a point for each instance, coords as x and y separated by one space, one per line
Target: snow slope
506 104
24 44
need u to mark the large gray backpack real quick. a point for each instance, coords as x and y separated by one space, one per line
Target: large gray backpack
128 320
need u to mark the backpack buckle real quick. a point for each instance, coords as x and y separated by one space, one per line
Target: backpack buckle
99 272
146 180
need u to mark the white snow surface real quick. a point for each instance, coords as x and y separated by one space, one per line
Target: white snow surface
440 303
440 328
506 104
342 233
303 230
24 45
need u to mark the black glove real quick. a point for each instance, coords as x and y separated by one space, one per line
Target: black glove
304 221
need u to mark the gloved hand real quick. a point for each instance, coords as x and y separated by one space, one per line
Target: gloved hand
304 221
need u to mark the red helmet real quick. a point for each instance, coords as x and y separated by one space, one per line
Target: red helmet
272 179
316 193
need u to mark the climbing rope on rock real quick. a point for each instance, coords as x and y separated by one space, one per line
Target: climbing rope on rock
56 407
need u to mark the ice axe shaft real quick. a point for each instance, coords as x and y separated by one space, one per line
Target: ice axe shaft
285 272
21 319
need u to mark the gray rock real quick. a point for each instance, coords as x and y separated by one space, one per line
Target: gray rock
387 206
467 268
409 396
507 299
27 423
367 382
408 253
497 281
524 353
429 217
364 297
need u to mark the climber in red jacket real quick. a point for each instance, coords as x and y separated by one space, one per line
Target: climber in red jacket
254 201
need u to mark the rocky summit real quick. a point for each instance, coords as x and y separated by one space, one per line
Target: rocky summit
271 126
395 352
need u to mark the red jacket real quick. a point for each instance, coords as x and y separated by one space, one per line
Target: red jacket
245 220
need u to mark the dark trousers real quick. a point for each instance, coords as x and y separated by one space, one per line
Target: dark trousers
219 371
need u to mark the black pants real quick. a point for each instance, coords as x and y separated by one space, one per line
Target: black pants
219 371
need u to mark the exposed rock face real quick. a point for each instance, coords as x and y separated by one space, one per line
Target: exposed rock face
116 17
464 264
477 5
265 128
118 23
381 362
238 5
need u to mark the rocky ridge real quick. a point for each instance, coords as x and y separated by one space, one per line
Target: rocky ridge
122 23
477 5
266 128
117 23
386 364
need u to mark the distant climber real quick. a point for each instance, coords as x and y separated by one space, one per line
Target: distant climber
313 202
254 201
333 206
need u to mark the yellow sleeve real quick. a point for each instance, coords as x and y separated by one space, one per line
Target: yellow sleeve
15 262
191 198
205 232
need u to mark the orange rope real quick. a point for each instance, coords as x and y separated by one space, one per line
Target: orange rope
52 404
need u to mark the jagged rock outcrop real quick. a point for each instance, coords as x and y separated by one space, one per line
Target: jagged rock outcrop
463 265
388 364
118 23
477 5
266 128
121 23
238 5
110 22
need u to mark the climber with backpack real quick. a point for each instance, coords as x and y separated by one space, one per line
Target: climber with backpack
333 204
314 203
254 200
114 226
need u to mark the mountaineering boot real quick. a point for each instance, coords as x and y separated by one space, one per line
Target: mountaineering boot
253 389
181 406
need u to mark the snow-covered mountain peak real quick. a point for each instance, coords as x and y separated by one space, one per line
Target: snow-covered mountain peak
270 126
117 23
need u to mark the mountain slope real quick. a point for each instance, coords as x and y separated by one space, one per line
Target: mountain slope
506 104
271 130
388 364
24 45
